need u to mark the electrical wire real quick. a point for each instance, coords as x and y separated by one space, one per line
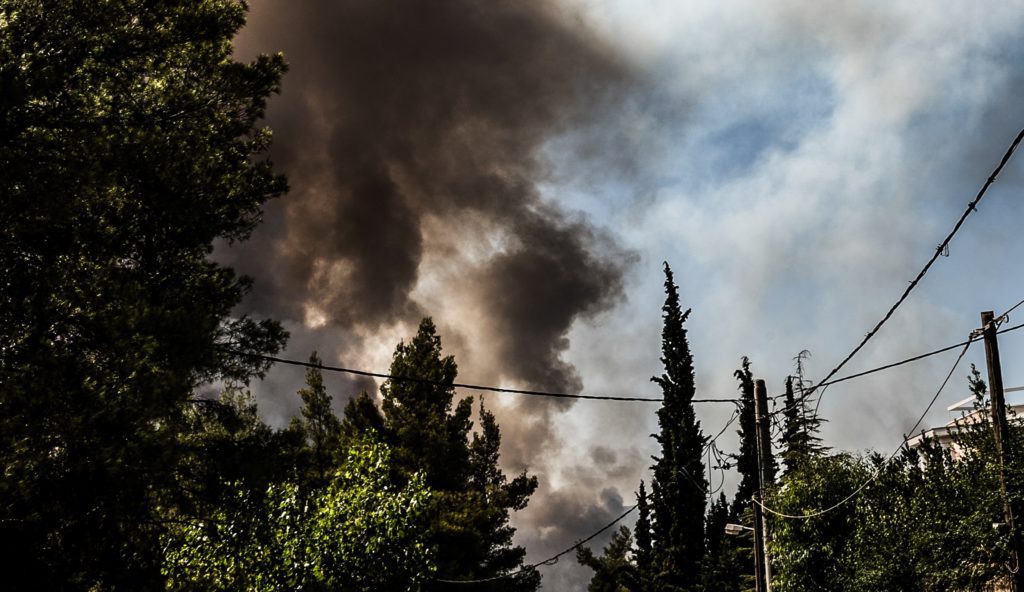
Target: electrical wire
971 207
735 416
476 387
921 356
721 469
561 395
916 358
554 559
881 465
1006 315
549 561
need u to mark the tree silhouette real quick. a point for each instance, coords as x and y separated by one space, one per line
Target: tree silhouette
679 487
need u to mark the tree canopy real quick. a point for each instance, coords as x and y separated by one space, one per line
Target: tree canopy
430 431
338 537
128 145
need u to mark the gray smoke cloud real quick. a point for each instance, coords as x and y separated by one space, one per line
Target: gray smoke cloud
421 140
795 164
415 129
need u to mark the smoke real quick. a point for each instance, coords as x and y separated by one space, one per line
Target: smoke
417 137
801 168
403 115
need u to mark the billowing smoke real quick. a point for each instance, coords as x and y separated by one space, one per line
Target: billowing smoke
417 136
800 168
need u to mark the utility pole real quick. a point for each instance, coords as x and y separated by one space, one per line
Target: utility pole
758 544
764 443
1001 430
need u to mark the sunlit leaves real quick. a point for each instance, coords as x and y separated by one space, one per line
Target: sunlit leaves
359 533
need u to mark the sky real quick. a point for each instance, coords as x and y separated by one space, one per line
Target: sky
520 171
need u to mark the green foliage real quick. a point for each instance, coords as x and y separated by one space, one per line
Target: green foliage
644 546
360 533
224 441
614 570
127 147
679 487
809 554
924 523
430 433
733 566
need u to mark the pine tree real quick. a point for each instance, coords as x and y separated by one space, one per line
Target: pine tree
318 424
613 570
799 440
128 147
430 432
679 487
361 418
492 495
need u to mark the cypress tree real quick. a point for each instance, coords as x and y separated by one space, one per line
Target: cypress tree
679 487
722 569
746 460
642 535
746 465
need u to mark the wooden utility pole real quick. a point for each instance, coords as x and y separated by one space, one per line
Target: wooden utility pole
764 446
1001 430
758 545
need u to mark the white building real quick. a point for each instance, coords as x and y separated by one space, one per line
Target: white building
965 413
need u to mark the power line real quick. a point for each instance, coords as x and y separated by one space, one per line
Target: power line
916 358
563 395
477 387
938 251
710 443
1006 315
554 559
549 561
882 465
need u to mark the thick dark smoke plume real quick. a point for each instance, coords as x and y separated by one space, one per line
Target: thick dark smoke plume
402 115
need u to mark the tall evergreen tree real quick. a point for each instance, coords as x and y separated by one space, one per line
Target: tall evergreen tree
722 570
799 440
430 432
644 549
679 488
742 550
128 147
318 425
746 459
492 495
